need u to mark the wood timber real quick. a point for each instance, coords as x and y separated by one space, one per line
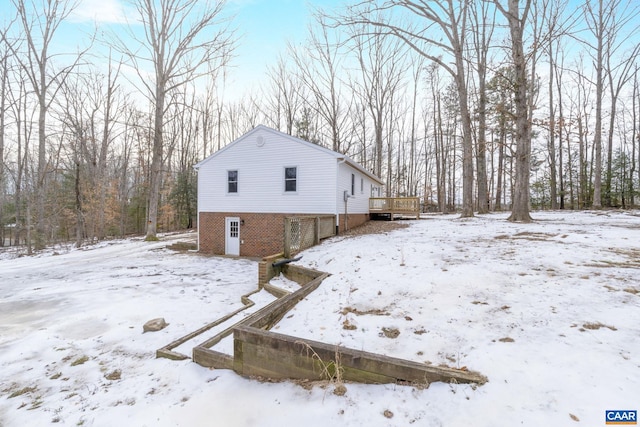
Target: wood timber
258 352
272 355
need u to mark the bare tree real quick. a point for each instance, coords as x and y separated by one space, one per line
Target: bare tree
417 68
606 21
381 67
319 68
181 39
483 24
4 83
40 21
635 107
619 74
284 98
445 28
582 104
89 110
517 18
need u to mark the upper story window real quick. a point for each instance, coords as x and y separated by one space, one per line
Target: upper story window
232 181
361 185
290 179
353 184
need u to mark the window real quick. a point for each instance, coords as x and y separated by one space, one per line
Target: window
353 185
290 179
232 181
361 185
234 229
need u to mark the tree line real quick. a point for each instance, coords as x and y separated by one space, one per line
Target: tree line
474 106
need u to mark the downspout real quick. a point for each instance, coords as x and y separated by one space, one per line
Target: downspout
340 161
346 216
197 169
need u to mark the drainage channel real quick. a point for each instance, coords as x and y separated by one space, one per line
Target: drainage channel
220 329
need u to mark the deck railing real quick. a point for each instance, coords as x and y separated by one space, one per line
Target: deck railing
395 205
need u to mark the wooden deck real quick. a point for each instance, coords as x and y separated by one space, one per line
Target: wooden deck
395 206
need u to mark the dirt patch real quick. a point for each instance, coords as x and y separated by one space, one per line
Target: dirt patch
113 376
348 326
183 246
373 311
390 332
340 390
375 227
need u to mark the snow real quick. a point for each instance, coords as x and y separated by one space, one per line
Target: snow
548 311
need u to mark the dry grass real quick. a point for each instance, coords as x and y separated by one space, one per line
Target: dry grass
632 259
331 370
594 326
80 361
527 235
22 391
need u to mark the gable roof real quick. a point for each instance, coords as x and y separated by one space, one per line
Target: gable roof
338 156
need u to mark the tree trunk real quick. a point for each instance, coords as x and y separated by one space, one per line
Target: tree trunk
520 210
481 157
79 213
597 139
467 137
155 179
41 176
3 104
552 136
500 173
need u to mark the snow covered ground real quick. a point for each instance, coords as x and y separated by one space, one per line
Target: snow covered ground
548 311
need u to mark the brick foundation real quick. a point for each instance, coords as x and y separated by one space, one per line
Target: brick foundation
262 234
353 220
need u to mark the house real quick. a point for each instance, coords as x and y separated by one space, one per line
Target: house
246 190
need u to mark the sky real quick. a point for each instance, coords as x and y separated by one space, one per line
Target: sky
264 27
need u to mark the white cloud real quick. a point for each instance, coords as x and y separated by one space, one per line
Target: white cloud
100 11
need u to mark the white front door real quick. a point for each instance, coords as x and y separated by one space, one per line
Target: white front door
232 236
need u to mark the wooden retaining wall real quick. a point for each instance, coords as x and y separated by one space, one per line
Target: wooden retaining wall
259 352
265 318
271 355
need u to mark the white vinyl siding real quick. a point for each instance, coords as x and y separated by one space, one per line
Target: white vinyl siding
263 175
355 205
